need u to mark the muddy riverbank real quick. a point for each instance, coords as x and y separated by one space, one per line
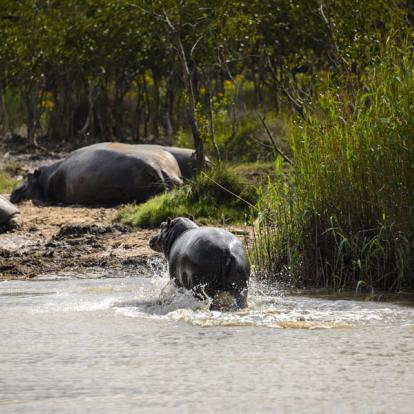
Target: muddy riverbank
67 241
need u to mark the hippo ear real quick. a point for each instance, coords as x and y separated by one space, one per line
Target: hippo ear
169 221
191 217
36 173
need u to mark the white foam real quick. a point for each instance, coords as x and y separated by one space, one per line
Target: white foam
154 297
273 311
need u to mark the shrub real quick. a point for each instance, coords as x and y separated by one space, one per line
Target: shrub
218 195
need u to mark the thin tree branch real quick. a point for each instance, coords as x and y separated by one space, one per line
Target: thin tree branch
270 135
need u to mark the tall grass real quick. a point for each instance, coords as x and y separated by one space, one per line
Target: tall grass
345 218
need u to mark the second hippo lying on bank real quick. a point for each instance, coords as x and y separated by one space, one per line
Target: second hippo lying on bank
208 260
103 174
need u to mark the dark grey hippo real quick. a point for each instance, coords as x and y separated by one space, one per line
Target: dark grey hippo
207 260
185 157
9 215
102 174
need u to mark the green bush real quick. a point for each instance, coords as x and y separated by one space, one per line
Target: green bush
345 219
7 182
218 195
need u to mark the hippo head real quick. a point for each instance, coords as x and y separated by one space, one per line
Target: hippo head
169 231
29 190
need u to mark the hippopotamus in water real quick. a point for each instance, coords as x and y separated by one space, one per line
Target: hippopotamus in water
102 174
207 260
9 215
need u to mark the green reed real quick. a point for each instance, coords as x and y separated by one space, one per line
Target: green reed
344 217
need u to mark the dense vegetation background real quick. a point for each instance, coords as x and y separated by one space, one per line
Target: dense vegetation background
325 88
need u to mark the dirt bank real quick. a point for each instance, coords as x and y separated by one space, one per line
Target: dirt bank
72 241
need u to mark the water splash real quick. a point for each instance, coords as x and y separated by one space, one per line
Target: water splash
155 297
269 306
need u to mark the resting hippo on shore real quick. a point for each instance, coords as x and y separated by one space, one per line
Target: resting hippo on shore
106 174
207 260
9 215
185 157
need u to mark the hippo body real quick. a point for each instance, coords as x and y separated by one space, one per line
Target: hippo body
185 157
207 260
103 174
9 215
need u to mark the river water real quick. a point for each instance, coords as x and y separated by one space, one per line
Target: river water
123 345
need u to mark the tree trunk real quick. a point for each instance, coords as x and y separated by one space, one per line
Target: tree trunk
168 109
211 122
138 115
105 114
147 109
3 111
30 100
121 88
257 90
88 128
156 107
188 80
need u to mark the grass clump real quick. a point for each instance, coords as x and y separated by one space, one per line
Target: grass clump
7 182
345 219
218 195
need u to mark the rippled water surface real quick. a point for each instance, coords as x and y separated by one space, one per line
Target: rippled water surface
125 345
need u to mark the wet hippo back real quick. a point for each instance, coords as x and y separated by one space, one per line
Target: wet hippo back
211 257
208 260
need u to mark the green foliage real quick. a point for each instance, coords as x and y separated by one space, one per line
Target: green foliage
104 69
216 196
154 211
256 173
7 182
346 217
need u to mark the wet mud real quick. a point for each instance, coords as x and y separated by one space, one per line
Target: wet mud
55 242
